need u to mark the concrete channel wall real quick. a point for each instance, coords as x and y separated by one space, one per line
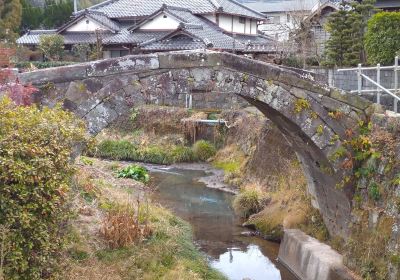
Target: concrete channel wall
310 259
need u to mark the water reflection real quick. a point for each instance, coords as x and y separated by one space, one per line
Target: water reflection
216 229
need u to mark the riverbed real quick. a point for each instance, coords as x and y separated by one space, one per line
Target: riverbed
230 248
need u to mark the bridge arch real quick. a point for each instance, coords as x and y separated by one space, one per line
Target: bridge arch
305 112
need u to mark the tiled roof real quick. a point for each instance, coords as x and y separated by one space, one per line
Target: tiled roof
193 32
179 42
98 17
280 5
140 8
108 38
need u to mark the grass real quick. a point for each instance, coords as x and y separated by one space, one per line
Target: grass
203 150
167 154
249 201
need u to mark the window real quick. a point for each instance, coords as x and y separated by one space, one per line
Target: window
119 53
276 19
242 20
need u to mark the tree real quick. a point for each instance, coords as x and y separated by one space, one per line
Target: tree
52 46
347 28
32 17
56 13
10 19
382 40
81 50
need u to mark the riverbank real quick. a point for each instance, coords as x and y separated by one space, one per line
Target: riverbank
162 249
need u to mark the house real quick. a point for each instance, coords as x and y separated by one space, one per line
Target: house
135 26
283 16
316 22
388 5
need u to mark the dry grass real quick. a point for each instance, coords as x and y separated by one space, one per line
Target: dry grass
288 205
121 227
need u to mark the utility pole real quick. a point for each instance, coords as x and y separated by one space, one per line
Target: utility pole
75 6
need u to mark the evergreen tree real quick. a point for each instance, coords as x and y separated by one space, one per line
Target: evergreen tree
56 13
32 17
10 19
339 41
347 28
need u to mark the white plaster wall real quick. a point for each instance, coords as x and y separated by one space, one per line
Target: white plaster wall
237 26
211 18
225 22
106 54
254 27
161 23
248 24
279 31
82 25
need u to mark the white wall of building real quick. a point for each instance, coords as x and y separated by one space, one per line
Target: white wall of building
161 22
84 25
238 24
278 25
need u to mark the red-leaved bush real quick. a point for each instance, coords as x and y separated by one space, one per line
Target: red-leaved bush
9 84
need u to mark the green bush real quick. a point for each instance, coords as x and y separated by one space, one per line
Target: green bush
203 150
182 154
136 172
249 201
52 46
125 150
118 150
382 40
35 172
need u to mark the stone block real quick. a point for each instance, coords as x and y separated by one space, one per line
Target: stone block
134 63
188 59
54 75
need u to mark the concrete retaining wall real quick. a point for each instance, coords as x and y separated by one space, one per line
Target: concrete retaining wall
310 259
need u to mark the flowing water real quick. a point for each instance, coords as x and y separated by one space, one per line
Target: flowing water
217 230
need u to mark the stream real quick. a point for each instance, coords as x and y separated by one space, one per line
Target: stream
217 230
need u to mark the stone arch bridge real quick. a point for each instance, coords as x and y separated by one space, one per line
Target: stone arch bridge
305 112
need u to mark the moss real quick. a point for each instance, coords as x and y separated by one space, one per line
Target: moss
230 167
320 130
301 104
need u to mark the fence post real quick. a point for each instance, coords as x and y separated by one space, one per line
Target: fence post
396 82
359 79
378 80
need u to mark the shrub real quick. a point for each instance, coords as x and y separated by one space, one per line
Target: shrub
137 172
203 150
35 172
52 46
119 150
121 226
249 201
182 154
383 37
155 154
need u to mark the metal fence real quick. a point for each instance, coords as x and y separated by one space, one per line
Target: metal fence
394 92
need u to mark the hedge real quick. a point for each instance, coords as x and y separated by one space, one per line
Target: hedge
382 40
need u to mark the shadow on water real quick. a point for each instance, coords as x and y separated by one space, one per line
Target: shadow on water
216 229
